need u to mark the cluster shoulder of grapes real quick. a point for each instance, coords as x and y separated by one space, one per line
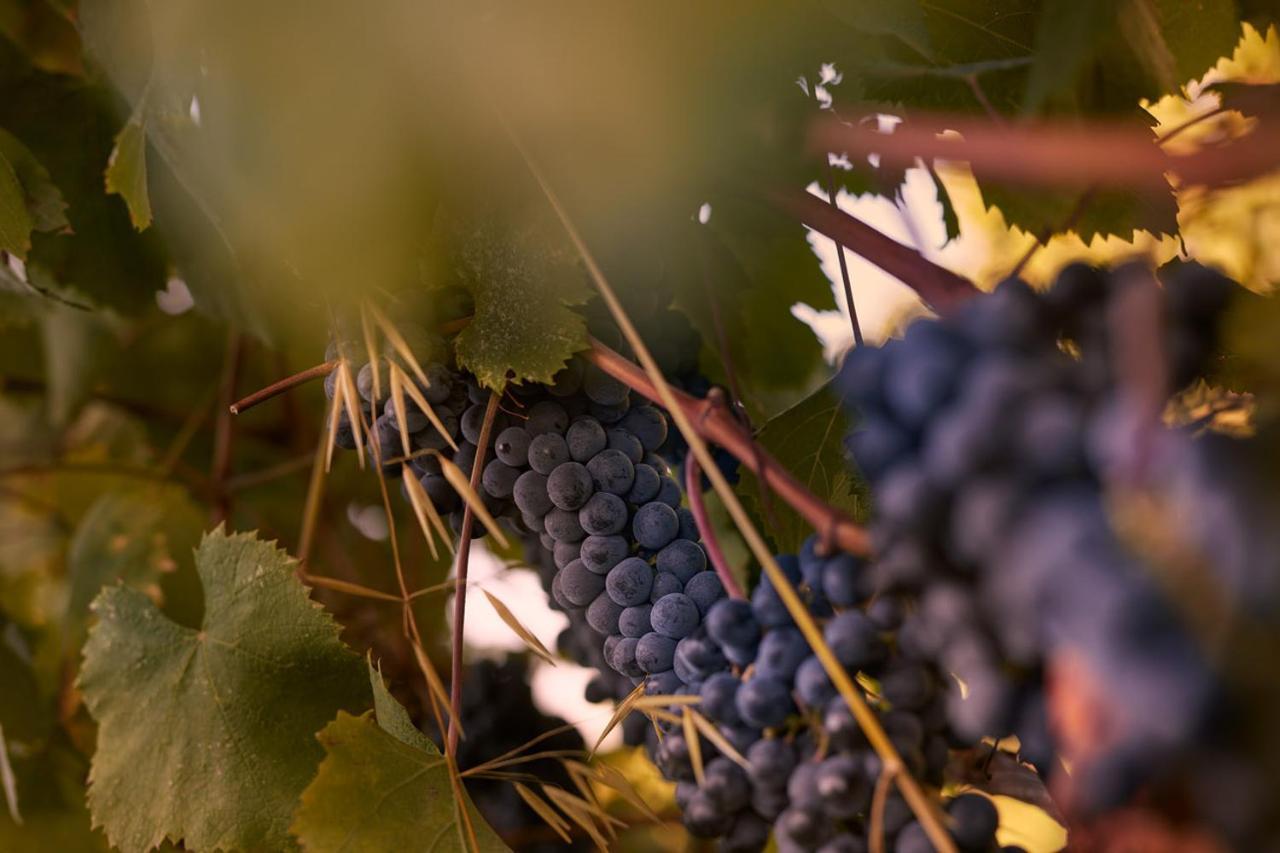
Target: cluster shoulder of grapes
990 438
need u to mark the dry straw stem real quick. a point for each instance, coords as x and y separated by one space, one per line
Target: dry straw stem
530 639
915 796
473 507
543 810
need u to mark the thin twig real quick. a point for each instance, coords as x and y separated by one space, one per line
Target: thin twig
1190 123
267 475
844 268
464 556
275 388
718 425
980 95
220 467
693 488
187 431
314 502
844 264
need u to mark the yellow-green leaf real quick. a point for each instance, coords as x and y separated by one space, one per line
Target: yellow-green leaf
383 785
15 219
127 171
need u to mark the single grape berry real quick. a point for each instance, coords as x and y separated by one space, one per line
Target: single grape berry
512 446
603 614
630 582
634 621
764 702
732 622
547 452
585 438
530 493
626 443
664 583
655 525
648 425
569 485
612 472
547 416
683 558
646 485
600 553
604 514
499 478
655 653
674 615
705 588
580 586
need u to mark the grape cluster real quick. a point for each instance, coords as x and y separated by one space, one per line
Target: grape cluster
990 438
456 399
581 471
803 768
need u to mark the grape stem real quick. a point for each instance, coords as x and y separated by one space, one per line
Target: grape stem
718 425
693 488
938 286
277 388
464 558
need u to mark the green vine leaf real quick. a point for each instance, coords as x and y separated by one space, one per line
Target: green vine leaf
229 711
755 264
126 174
15 219
524 285
44 199
807 439
383 785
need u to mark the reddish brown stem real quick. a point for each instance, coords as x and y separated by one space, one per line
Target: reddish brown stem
717 425
276 388
464 557
1048 153
938 286
693 488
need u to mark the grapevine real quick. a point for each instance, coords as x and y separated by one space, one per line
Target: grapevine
800 427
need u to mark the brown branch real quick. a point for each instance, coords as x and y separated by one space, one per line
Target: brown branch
938 286
1056 153
464 557
716 424
277 388
693 488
